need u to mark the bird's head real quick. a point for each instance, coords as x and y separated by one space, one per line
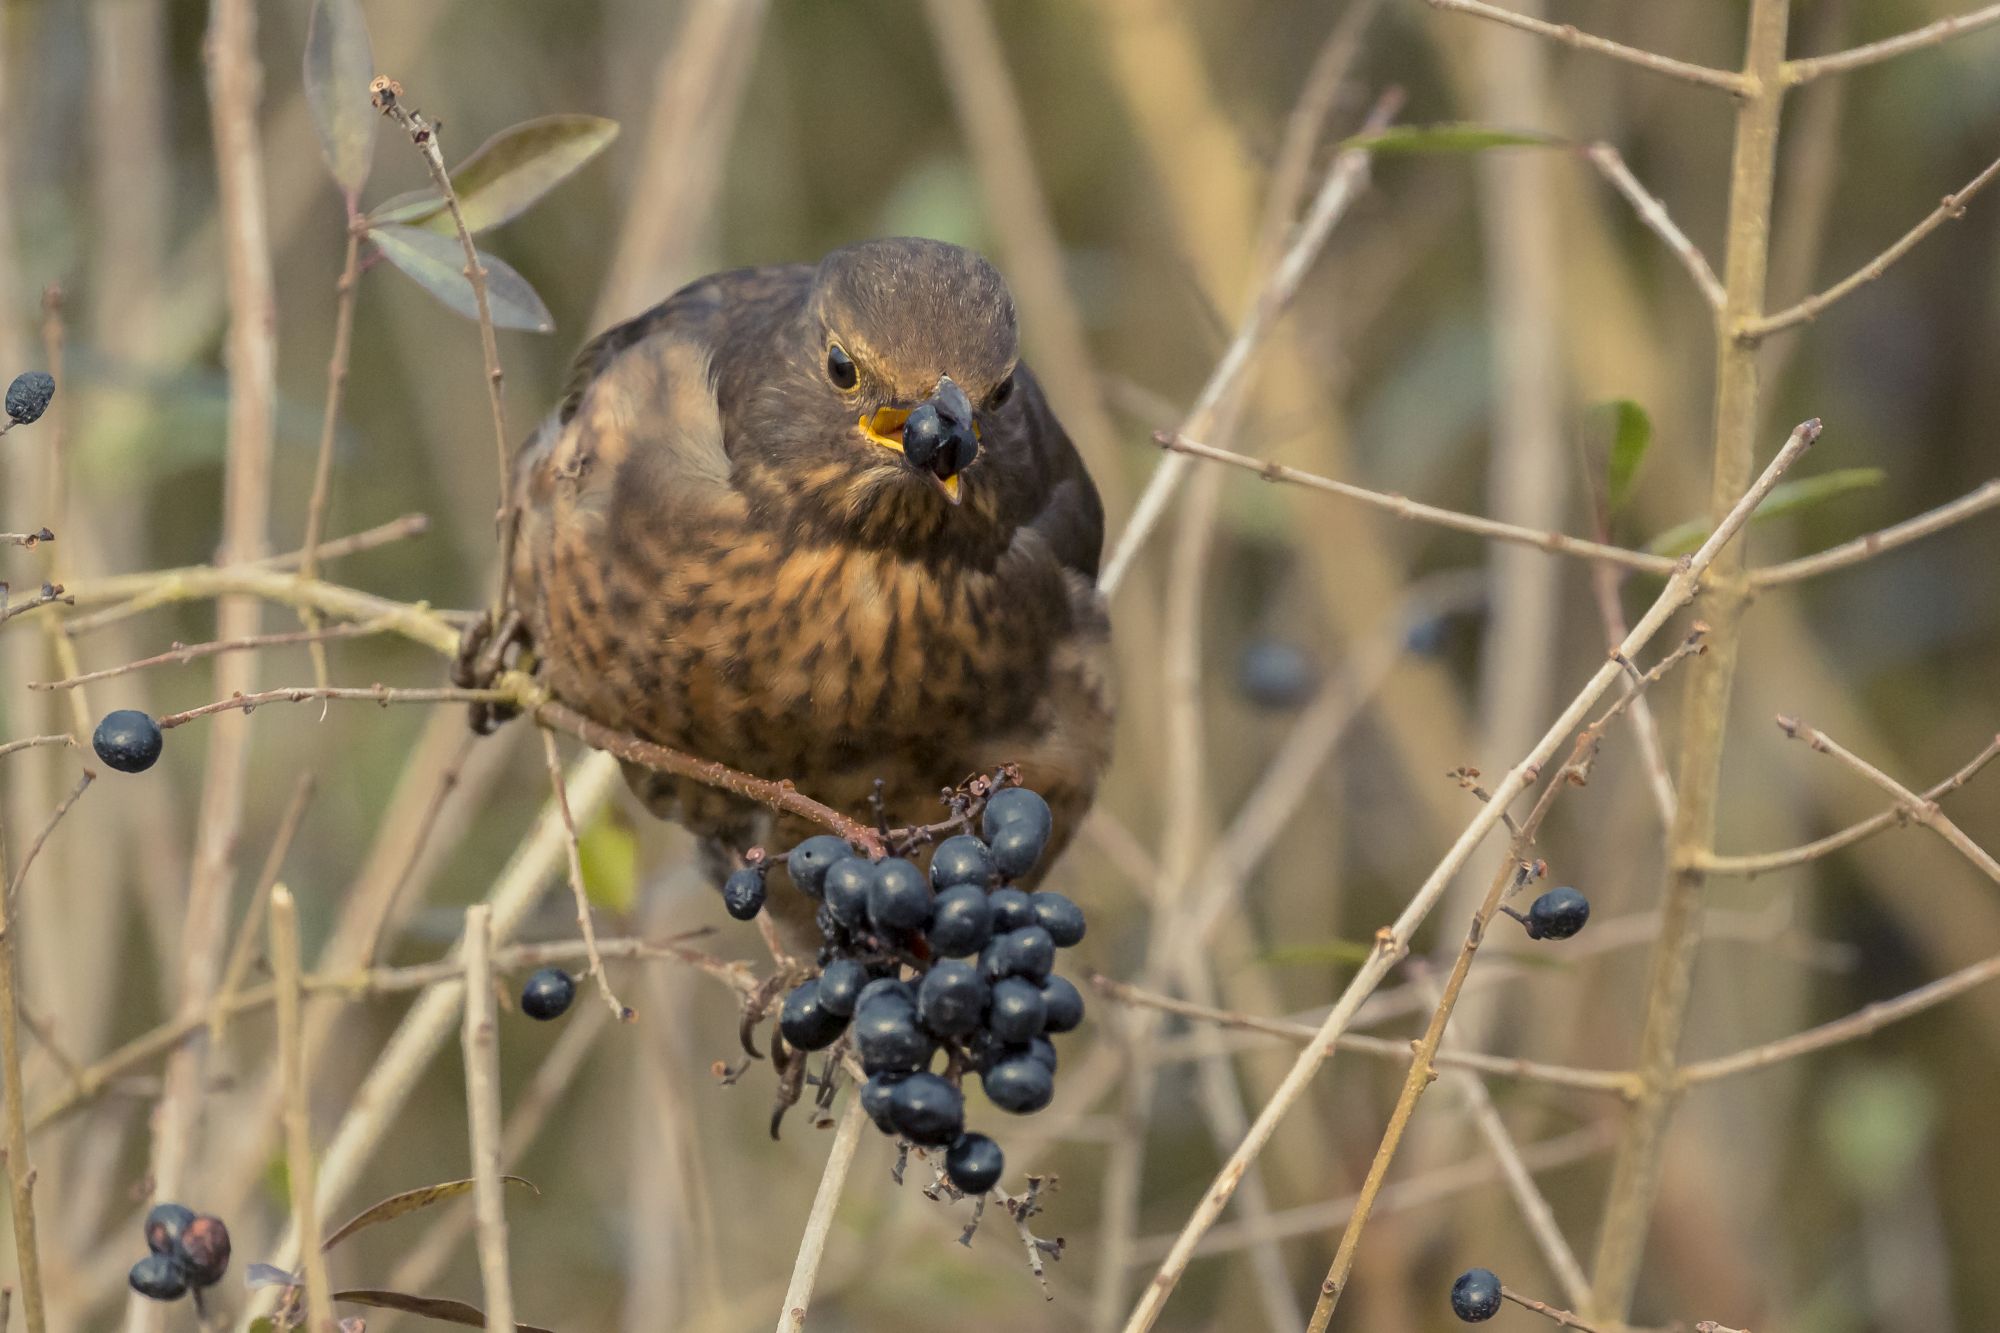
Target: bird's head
913 346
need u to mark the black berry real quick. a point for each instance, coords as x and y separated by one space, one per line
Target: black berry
1028 952
951 1002
205 1251
806 1023
1558 914
1018 1010
888 1040
743 893
927 1111
840 985
548 994
875 1099
28 396
974 1164
159 1277
900 897
1017 847
1012 910
961 860
808 861
1043 1050
1015 805
165 1225
1020 1083
886 990
846 886
1064 1003
1059 916
961 921
128 740
1475 1297
1276 675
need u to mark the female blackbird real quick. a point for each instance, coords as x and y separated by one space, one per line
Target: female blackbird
819 523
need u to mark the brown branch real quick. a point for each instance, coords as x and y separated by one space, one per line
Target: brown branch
1404 508
50 594
35 847
480 1036
28 539
1952 206
31 742
1654 214
243 951
377 694
1931 34
182 653
292 1077
1568 35
576 885
1977 501
20 1170
345 291
819 1222
1547 1311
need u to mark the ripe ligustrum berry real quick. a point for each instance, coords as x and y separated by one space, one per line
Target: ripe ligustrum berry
128 740
1557 914
547 994
1475 1297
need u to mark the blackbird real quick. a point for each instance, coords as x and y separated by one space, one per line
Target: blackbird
818 522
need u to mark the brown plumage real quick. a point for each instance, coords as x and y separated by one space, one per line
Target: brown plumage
717 554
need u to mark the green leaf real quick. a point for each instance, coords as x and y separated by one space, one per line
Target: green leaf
338 69
506 175
430 1307
609 851
1454 137
437 264
1788 497
1319 953
400 1205
1631 432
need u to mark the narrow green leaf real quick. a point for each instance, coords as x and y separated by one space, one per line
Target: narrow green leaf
1452 137
1788 497
610 854
338 68
400 1205
437 264
1319 953
409 206
506 175
1632 431
443 1310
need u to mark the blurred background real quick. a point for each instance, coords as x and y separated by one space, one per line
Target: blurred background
1457 341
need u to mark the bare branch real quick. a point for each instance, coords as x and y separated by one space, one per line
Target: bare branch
292 1077
1931 34
375 694
182 653
1654 214
1568 35
1977 501
576 884
819 1222
35 847
1562 1317
481 1038
20 1170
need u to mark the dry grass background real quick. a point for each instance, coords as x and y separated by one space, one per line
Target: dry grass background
1115 157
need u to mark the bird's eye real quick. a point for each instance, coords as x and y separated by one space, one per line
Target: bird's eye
840 368
1001 393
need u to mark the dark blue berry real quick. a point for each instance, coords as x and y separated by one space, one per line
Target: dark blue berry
961 921
1475 1297
1059 916
1020 1083
961 860
1015 805
1018 1011
128 740
900 897
1012 910
1065 1005
1275 674
888 1040
840 985
165 1226
806 1023
743 893
28 396
887 990
547 994
875 1099
1028 952
1043 1050
1558 914
951 1002
974 1164
927 1111
158 1277
1017 847
845 887
204 1251
808 861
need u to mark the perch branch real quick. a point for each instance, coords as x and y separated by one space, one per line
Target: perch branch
1931 34
1568 35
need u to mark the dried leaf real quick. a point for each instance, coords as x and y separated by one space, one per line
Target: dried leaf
506 175
437 264
1785 498
430 1307
1449 138
1631 432
338 67
399 1205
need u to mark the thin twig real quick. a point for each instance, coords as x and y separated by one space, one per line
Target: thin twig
1931 34
1760 863
1654 214
30 742
1568 35
182 653
1977 501
1952 206
20 1170
35 847
1914 806
1405 508
292 1078
28 539
1562 1317
481 1038
576 885
1393 942
376 694
819 1222
50 594
243 951
336 383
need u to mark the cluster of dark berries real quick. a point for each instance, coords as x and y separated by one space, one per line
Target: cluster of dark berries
189 1251
1556 915
1475 1297
128 740
547 994
983 995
